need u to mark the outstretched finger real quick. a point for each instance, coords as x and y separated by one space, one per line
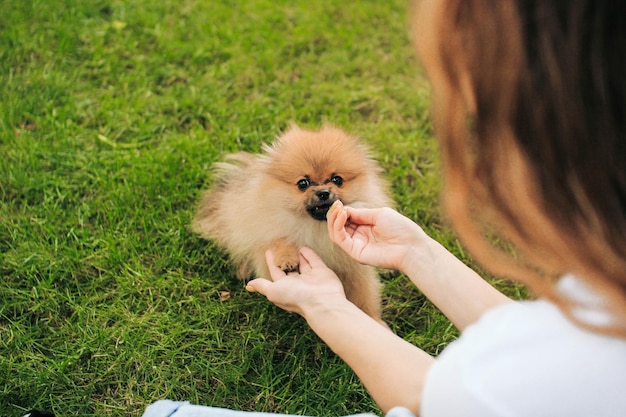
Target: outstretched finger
260 285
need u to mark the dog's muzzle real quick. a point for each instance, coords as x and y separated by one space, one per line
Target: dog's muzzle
320 207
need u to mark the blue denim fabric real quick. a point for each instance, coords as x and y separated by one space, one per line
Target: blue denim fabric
167 408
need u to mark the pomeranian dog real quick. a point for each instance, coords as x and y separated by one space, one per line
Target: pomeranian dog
278 200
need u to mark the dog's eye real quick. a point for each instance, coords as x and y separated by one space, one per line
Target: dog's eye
337 180
303 184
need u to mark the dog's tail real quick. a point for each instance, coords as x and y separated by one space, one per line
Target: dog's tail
233 164
207 222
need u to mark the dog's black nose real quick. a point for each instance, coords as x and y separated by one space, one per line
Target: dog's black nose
323 195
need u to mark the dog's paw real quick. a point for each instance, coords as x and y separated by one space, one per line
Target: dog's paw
286 256
288 265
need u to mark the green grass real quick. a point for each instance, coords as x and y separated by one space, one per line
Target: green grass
111 112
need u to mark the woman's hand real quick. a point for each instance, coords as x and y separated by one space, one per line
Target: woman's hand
298 292
379 237
392 369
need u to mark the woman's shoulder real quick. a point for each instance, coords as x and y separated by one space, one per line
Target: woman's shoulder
529 358
539 332
543 330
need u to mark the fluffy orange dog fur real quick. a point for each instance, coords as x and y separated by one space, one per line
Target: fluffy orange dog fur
278 200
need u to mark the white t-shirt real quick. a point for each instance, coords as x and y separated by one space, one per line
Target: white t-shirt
527 359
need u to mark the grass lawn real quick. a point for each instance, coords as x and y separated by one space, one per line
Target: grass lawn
111 113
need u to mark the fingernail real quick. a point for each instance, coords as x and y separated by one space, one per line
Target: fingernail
250 288
334 206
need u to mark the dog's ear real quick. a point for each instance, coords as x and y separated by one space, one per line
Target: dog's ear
291 129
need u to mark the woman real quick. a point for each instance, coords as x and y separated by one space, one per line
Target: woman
530 110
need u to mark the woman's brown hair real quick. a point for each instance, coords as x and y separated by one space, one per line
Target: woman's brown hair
538 150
